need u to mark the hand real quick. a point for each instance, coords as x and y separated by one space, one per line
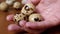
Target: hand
49 9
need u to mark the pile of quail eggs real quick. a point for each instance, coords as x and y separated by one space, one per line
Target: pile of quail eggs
27 12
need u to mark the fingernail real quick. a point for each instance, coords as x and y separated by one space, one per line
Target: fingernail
10 17
22 23
28 24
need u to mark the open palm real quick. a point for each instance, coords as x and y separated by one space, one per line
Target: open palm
49 9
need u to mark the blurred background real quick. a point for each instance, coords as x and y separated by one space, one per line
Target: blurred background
4 23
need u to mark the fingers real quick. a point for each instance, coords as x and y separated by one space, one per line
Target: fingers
36 25
10 17
42 25
14 27
31 1
32 25
32 31
22 23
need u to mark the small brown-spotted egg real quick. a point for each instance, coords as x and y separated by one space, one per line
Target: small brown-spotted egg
28 9
35 18
18 17
10 2
17 5
3 6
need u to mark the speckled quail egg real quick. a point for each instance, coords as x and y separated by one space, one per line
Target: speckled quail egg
17 5
28 9
3 6
18 17
35 18
10 2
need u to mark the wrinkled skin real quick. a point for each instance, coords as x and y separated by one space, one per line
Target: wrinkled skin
49 9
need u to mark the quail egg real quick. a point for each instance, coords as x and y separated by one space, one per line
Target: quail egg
28 9
35 18
18 17
17 5
10 2
3 6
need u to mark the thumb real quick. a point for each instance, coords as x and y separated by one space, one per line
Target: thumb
41 25
30 1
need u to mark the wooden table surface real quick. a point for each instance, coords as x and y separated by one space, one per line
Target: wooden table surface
4 23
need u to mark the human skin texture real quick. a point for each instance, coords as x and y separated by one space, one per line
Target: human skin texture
49 9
